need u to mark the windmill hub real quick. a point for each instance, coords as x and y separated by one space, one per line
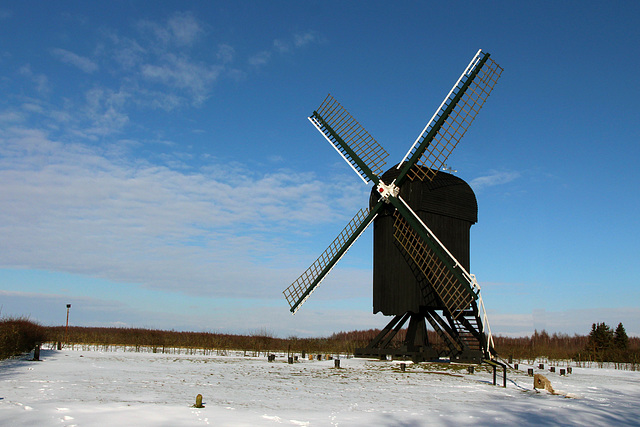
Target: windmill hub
386 191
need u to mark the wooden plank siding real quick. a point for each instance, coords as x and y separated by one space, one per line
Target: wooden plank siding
448 206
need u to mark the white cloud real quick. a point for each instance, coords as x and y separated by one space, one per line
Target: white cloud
127 52
181 29
494 178
158 67
41 81
226 53
184 28
11 117
104 109
84 64
283 46
178 71
32 107
83 210
301 40
260 58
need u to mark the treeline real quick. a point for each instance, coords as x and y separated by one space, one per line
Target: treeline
19 335
261 341
258 342
601 345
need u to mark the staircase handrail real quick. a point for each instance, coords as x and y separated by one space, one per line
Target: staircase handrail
485 319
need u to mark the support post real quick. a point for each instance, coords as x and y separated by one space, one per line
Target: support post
504 376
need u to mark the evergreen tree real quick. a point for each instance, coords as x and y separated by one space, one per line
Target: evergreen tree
600 340
620 338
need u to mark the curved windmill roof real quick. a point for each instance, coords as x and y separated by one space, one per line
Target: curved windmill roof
445 195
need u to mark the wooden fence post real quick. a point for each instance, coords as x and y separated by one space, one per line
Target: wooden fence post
36 352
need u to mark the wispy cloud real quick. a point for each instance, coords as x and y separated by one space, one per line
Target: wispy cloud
81 62
181 29
182 72
85 210
284 46
11 116
226 53
303 39
41 81
105 111
492 179
158 65
260 58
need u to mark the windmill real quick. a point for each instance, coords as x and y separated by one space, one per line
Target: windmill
422 216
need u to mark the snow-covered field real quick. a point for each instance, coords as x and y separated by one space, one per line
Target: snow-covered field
93 388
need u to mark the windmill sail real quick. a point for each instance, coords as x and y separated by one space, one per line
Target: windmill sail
363 153
454 295
298 292
444 284
452 119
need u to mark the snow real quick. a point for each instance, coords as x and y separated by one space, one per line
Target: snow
94 388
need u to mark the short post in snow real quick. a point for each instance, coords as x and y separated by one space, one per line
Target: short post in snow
198 402
36 352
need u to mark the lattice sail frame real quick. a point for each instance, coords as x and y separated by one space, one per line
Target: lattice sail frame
348 135
458 121
454 296
300 290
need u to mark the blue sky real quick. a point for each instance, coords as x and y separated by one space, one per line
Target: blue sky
157 168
